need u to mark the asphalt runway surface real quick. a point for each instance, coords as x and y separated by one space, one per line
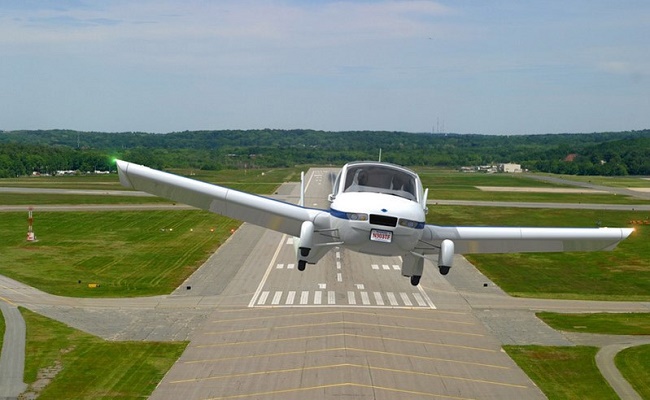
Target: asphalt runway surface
349 326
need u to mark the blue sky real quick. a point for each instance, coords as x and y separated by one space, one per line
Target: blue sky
491 67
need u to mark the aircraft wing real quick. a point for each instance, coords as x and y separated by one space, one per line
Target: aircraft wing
469 240
263 211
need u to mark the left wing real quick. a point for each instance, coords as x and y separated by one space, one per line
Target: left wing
469 240
263 211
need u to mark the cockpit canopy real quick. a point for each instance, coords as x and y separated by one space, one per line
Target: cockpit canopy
379 178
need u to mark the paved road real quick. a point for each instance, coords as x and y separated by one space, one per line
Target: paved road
12 356
348 326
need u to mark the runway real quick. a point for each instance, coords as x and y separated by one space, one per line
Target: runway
349 326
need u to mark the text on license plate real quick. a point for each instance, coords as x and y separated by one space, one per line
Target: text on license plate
381 236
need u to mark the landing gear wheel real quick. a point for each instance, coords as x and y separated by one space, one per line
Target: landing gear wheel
301 265
443 270
415 280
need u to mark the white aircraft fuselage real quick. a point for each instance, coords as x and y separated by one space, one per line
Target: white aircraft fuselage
378 208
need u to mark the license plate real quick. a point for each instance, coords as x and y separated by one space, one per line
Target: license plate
381 236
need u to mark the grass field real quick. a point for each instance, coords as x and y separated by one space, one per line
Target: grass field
86 367
634 364
563 372
602 323
128 253
459 186
612 181
622 274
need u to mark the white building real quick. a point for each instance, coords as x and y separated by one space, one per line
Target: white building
510 168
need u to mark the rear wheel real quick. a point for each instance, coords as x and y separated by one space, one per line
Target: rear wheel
415 280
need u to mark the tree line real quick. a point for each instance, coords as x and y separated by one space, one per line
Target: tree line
606 153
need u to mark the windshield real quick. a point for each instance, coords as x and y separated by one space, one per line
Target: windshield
381 179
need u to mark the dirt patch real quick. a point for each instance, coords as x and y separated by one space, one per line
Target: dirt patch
43 378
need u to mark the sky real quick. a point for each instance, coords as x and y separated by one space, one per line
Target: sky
488 67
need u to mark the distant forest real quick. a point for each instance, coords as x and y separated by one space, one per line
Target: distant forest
607 153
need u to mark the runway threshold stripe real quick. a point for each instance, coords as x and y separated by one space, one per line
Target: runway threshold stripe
378 299
331 297
405 299
263 297
290 297
368 299
351 298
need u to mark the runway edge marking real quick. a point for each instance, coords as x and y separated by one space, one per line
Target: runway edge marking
268 271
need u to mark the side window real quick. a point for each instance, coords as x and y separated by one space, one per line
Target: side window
335 189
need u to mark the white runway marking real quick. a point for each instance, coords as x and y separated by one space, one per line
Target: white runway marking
405 299
290 297
263 297
368 299
378 299
365 299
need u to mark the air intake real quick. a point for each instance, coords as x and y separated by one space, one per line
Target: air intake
383 220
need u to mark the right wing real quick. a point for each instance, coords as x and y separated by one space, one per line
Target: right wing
469 239
263 211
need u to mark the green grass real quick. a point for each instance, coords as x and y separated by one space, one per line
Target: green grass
96 182
612 181
128 253
111 182
463 186
602 323
92 368
634 364
622 274
70 199
563 372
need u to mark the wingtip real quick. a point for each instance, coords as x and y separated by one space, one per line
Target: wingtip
122 172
